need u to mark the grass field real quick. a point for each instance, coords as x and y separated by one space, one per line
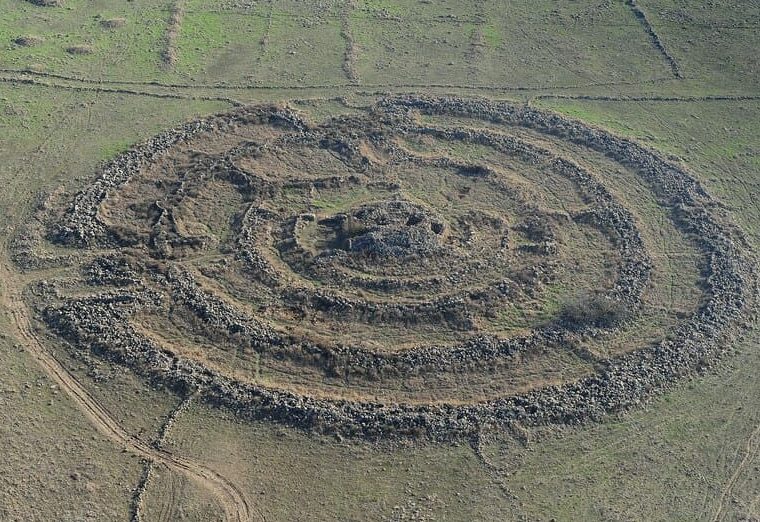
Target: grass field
693 453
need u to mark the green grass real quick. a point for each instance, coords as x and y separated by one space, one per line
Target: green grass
666 463
319 479
56 466
669 460
538 44
128 52
200 36
719 141
711 41
303 51
375 7
492 35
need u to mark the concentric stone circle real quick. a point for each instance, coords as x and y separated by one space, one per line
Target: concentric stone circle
406 270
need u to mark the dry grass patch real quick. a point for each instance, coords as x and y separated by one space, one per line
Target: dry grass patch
170 55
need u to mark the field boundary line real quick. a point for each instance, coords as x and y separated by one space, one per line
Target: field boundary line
641 16
130 92
454 19
351 52
170 53
238 86
654 98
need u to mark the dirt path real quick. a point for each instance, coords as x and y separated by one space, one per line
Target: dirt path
168 494
751 449
231 499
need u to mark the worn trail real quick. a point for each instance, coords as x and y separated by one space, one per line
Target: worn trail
751 450
231 500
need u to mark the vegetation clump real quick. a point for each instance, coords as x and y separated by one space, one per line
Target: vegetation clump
47 3
113 23
593 309
80 50
28 40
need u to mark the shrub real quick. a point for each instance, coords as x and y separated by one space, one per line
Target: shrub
47 3
28 41
79 49
113 23
592 309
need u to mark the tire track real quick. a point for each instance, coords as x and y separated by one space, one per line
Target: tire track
170 494
753 505
232 501
148 471
751 450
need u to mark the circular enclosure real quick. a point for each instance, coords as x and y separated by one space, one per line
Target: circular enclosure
427 266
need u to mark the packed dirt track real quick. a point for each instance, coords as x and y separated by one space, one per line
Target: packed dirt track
232 502
428 267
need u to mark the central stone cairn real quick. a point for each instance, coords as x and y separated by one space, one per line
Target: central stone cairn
430 267
392 230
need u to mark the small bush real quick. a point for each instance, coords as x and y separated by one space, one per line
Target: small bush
28 41
47 3
535 228
113 23
592 309
79 49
